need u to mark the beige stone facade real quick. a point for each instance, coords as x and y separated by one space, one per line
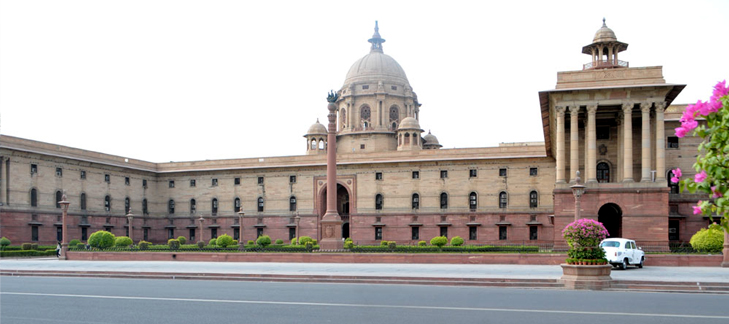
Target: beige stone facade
394 182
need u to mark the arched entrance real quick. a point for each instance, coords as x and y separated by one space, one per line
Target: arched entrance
611 216
345 230
342 207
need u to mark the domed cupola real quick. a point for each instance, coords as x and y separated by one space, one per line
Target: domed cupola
408 135
316 139
430 142
604 50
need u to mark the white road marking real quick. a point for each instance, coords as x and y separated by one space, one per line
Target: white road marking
371 306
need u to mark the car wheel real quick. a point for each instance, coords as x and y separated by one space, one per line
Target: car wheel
640 265
624 265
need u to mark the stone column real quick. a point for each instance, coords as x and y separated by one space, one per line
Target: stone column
660 143
725 260
645 168
591 161
627 142
331 222
574 142
560 143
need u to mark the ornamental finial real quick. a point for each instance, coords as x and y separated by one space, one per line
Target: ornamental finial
603 22
332 97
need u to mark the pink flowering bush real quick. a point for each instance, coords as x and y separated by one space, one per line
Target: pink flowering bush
712 163
584 236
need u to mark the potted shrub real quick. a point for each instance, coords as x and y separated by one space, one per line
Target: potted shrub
585 266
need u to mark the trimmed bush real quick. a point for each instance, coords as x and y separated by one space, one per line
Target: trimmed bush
279 241
383 243
80 246
34 246
182 240
74 242
709 240
309 246
26 246
313 241
213 242
263 240
422 243
102 239
293 241
348 244
391 245
304 239
144 245
250 242
200 244
439 241
123 241
4 241
174 244
224 240
456 241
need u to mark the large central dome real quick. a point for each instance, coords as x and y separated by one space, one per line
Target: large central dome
376 66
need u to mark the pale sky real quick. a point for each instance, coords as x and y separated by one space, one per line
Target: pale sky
194 80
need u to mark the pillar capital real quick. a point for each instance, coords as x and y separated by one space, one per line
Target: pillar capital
591 108
660 105
628 107
574 109
645 107
559 110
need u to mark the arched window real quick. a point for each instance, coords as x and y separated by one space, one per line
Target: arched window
292 203
378 202
313 144
321 144
236 204
193 206
342 118
415 138
399 139
673 186
472 201
443 200
59 197
407 139
127 205
171 207
107 203
533 199
145 211
394 115
83 201
416 201
502 199
214 205
603 172
394 126
364 114
260 204
33 197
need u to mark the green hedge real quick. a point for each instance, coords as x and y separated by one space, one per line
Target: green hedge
27 253
450 249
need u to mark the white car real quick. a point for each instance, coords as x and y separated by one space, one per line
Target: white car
622 252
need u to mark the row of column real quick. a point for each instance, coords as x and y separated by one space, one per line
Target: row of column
627 154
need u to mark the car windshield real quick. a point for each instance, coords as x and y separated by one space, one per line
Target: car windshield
610 244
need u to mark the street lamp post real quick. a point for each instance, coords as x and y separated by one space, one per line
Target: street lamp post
240 227
64 227
578 190
201 220
130 218
297 219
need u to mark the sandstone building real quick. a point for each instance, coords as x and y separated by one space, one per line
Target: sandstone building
612 122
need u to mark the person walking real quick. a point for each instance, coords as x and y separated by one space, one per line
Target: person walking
58 250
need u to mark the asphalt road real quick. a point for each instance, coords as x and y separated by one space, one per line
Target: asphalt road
99 301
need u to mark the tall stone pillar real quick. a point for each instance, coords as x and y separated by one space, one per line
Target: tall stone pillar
645 141
331 223
560 143
660 142
574 142
627 142
591 161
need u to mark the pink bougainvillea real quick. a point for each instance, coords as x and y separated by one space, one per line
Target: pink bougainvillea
584 232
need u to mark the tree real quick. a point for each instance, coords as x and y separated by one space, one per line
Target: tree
712 163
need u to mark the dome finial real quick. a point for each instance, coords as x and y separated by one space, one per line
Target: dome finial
376 40
603 22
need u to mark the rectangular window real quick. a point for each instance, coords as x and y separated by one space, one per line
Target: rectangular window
59 172
260 180
533 233
444 231
365 87
34 233
146 234
213 233
393 87
193 183
192 235
170 233
33 169
292 233
259 232
292 179
144 183
236 181
361 146
108 229
107 178
502 172
443 174
415 232
378 233
172 183
473 173
416 174
214 183
473 233
59 234
603 133
502 233
533 172
84 234
83 175
126 181
126 231
236 234
378 175
672 142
